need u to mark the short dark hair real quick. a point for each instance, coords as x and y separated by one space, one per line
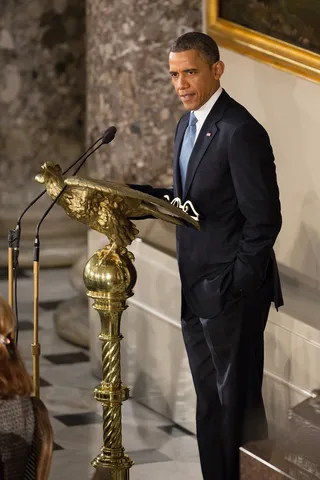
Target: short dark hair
197 41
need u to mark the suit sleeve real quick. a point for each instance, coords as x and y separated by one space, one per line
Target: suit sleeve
254 177
155 192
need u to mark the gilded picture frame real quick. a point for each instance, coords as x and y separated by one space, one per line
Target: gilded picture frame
265 48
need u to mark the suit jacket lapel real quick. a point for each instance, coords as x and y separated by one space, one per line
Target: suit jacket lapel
202 143
177 148
205 137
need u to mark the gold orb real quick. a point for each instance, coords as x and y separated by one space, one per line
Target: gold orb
109 274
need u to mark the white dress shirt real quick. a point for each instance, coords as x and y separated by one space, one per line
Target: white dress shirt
202 113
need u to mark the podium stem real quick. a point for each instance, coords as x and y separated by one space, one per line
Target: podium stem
109 277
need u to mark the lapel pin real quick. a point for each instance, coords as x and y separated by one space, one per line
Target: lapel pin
209 134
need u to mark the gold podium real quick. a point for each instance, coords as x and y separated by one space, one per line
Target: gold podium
109 277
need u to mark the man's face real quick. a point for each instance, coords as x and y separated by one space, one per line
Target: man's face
194 80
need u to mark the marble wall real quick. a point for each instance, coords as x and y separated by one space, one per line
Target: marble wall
128 84
42 100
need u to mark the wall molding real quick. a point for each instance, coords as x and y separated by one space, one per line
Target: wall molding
153 311
282 381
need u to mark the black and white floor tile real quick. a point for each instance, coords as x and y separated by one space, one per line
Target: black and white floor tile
159 448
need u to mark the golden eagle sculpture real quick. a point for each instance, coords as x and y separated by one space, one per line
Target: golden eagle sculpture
108 206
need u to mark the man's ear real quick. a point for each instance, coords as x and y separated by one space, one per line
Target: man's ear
218 69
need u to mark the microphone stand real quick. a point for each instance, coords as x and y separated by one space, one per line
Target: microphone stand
13 253
14 241
36 347
10 275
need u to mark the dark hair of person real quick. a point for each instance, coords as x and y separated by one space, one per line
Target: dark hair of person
205 45
14 378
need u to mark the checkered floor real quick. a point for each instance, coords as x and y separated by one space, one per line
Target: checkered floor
158 448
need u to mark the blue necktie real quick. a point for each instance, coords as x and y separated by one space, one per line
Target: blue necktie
187 146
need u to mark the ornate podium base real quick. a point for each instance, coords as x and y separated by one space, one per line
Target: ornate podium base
109 277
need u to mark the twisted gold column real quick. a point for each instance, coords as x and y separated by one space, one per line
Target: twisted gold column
109 277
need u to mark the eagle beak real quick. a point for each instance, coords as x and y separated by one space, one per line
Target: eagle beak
39 178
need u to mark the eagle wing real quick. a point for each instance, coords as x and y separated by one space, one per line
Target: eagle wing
133 202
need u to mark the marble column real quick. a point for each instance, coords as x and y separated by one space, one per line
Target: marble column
42 104
128 85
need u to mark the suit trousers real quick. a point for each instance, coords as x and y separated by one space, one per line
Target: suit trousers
226 356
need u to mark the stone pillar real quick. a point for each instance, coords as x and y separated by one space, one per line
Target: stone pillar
42 99
128 85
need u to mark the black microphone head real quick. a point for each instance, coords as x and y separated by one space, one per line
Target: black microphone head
109 134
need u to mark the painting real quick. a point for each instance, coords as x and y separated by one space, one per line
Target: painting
283 33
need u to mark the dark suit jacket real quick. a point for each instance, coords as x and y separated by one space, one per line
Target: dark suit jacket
231 180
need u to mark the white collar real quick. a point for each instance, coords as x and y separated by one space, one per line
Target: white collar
202 113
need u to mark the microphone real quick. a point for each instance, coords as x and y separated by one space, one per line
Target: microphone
108 136
14 235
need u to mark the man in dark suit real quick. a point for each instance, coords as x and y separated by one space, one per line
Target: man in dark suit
223 164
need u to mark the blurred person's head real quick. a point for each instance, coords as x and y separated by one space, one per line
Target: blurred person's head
14 378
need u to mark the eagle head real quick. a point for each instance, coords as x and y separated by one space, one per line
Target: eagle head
50 171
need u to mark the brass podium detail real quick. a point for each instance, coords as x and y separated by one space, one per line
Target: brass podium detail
109 277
